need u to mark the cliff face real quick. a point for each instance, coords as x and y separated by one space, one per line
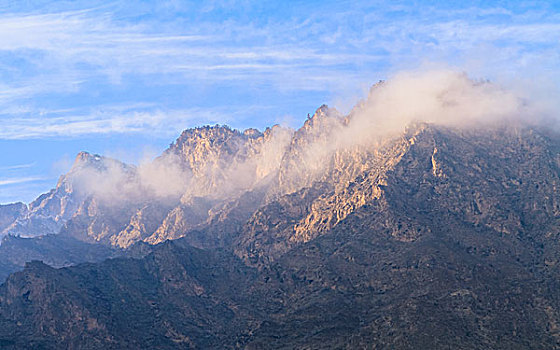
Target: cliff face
310 148
504 179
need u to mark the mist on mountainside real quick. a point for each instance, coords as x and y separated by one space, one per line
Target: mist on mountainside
442 97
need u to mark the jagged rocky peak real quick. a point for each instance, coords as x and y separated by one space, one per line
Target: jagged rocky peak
486 176
251 132
269 131
362 103
317 130
205 135
85 157
95 161
324 116
216 155
225 165
88 160
207 146
85 172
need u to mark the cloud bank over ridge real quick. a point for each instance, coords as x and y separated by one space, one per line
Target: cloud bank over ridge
442 97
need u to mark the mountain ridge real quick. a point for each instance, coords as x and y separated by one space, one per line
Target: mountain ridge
438 235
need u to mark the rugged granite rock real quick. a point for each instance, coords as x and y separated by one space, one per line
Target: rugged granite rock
103 200
503 178
226 166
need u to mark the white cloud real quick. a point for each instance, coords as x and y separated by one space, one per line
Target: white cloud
19 180
18 166
107 121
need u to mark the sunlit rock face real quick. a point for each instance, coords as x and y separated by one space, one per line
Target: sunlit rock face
503 178
223 166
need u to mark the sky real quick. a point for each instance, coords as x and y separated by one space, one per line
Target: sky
124 78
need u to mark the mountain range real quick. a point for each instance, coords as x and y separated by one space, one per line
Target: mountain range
433 236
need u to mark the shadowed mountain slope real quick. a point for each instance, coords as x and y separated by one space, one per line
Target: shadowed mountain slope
54 250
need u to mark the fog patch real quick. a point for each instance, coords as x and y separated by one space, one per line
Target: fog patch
113 183
442 97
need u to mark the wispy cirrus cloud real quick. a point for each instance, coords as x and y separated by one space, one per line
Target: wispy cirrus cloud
113 119
192 58
16 167
19 180
90 42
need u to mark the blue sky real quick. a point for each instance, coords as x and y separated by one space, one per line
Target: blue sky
123 78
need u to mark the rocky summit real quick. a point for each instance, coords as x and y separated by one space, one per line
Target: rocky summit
433 237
